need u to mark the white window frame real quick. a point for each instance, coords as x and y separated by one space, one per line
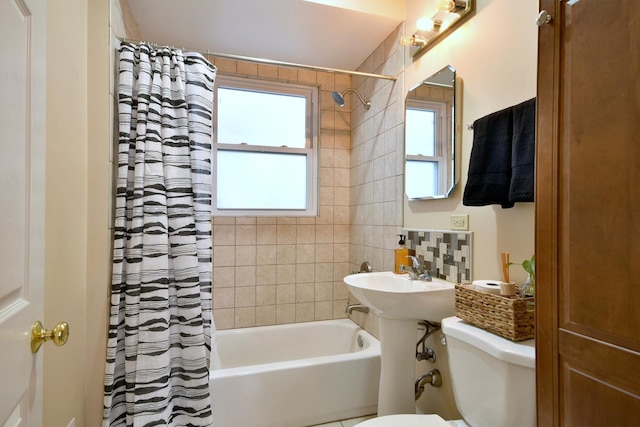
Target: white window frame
310 150
440 108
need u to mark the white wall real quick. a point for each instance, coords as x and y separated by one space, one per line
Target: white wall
66 210
99 193
495 54
77 193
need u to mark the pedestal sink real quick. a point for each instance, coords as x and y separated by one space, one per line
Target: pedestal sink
400 302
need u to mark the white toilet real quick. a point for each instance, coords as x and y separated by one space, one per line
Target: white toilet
493 381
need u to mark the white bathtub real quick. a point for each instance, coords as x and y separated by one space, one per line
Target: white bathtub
295 375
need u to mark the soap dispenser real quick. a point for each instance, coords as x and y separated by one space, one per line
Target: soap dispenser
401 256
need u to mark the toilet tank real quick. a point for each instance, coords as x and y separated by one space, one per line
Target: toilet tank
493 378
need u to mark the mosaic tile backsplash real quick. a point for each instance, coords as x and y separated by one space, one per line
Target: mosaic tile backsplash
447 255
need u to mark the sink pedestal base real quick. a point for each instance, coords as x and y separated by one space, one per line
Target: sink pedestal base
399 302
398 341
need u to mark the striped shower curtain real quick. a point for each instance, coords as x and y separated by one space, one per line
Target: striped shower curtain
161 324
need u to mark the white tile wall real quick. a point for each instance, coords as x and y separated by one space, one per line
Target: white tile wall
376 165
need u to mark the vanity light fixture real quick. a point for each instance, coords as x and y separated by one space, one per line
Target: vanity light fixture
449 15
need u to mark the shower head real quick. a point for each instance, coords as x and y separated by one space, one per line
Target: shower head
339 98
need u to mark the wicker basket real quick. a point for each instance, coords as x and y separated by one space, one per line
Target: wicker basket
512 318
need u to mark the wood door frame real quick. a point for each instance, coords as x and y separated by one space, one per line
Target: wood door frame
547 211
585 355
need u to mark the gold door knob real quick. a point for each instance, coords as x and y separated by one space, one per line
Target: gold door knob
39 335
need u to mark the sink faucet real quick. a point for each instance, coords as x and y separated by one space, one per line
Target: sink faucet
416 272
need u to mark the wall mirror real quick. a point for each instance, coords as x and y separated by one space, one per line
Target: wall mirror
430 137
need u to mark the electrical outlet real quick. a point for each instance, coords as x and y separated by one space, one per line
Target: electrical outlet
459 222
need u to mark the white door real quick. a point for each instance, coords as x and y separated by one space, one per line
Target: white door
22 161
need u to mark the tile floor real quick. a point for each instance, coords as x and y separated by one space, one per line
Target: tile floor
345 423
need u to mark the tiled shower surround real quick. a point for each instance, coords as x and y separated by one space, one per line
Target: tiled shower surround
278 270
446 254
284 270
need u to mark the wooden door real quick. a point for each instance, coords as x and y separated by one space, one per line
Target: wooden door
588 214
22 161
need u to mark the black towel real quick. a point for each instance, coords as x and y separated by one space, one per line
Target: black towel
523 152
489 177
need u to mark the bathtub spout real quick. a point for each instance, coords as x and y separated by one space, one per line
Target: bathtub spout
356 307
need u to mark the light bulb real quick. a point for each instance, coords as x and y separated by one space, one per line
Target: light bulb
414 40
445 5
406 41
424 24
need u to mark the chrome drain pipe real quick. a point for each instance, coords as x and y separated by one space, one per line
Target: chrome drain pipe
432 377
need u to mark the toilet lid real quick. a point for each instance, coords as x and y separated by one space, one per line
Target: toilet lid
405 420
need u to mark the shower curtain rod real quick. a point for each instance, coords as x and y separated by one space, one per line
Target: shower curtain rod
270 61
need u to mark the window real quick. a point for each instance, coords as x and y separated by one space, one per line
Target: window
425 137
265 148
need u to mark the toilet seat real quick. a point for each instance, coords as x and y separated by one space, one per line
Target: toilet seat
405 420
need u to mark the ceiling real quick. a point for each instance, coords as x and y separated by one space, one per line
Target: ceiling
325 33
